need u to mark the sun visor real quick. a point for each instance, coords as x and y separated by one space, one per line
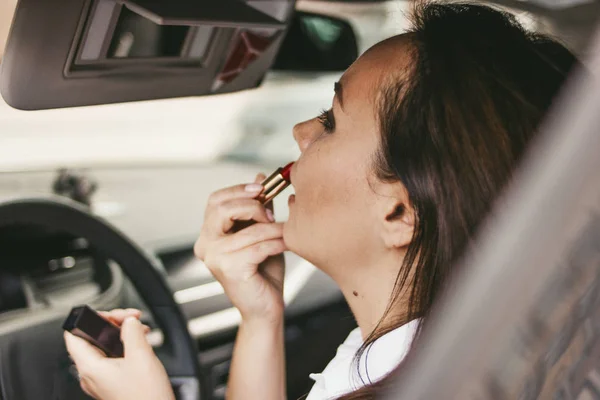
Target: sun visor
69 53
225 13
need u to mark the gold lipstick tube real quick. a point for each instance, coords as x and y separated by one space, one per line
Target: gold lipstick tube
273 185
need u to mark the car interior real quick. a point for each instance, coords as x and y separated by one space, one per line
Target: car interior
120 117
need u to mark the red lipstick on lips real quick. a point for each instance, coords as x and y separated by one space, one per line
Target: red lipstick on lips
286 171
275 183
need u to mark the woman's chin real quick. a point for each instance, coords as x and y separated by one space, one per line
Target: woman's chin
297 241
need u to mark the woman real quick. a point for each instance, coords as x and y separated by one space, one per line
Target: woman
425 131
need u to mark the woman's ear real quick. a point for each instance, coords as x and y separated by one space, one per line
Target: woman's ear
398 224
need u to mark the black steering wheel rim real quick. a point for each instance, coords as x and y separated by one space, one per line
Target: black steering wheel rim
178 353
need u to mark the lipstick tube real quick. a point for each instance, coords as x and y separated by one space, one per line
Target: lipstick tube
272 186
275 184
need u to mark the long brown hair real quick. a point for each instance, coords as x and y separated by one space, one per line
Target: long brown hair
453 133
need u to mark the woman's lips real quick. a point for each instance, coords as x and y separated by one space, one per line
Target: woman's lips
292 171
286 171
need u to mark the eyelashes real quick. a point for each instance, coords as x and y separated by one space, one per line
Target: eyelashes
326 119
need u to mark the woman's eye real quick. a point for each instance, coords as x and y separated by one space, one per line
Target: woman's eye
326 119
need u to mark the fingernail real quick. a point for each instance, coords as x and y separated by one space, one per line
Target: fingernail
270 215
253 187
131 320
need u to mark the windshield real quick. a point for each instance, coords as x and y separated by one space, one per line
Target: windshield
252 126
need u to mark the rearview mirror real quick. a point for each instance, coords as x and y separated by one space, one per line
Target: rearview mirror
317 43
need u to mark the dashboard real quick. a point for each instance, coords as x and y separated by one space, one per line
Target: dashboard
160 208
48 269
12 292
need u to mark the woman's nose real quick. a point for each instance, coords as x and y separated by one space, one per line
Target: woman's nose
304 134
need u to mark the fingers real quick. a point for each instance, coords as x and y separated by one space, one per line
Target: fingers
87 359
236 203
243 191
251 246
134 339
233 264
239 210
87 386
230 211
82 353
259 178
118 315
250 236
257 253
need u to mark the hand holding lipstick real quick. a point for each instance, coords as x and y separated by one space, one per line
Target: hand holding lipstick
247 262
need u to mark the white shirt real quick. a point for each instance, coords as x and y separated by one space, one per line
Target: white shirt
340 375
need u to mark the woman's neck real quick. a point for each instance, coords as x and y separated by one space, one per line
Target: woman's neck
368 294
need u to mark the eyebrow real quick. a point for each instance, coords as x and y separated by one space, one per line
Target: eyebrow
337 88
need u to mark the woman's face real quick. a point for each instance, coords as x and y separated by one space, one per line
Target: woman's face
334 219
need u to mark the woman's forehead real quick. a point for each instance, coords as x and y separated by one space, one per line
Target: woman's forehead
385 60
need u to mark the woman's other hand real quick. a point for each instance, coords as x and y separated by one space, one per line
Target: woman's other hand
138 375
249 262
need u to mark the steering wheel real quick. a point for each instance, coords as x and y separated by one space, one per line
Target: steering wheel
33 360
